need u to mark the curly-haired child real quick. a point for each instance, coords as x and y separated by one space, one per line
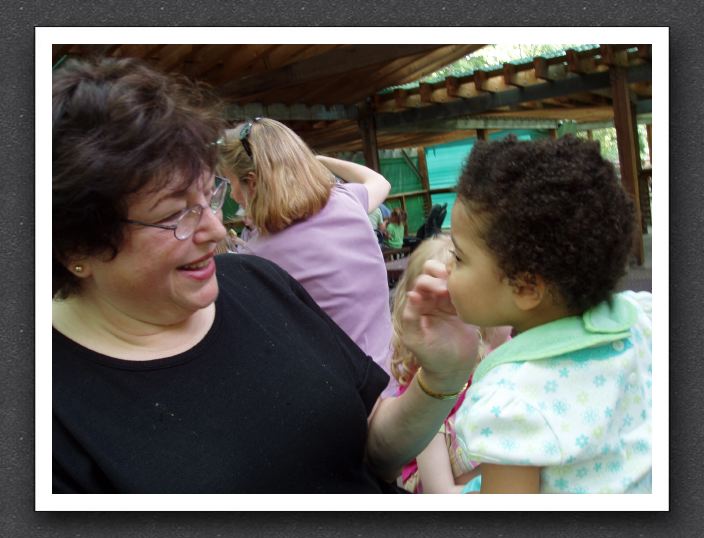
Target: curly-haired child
542 233
439 468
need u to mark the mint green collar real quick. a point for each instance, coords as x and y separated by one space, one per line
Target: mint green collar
599 325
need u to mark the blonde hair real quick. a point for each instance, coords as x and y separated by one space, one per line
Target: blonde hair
291 184
403 363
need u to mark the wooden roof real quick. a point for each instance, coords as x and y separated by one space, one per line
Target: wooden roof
321 91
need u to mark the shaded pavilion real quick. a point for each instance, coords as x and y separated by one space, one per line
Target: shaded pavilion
346 98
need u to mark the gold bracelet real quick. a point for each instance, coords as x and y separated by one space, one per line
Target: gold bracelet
437 395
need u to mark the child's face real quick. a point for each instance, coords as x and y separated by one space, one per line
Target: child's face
477 290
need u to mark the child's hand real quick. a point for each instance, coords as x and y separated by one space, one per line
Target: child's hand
442 343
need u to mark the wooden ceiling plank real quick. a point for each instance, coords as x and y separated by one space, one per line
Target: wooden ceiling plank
402 72
333 62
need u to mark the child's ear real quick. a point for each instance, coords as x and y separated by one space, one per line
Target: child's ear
528 291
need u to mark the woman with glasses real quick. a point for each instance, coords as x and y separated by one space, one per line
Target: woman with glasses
315 228
178 372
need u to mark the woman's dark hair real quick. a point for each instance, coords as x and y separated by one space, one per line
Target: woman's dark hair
552 208
120 126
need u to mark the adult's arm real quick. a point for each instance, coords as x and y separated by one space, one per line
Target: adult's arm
377 186
400 428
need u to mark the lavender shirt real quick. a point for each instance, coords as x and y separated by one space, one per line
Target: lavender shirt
336 257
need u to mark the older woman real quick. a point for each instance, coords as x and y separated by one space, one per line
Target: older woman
315 229
177 372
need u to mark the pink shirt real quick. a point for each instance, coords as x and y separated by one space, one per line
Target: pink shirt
336 257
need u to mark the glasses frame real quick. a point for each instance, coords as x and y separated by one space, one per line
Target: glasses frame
244 136
221 187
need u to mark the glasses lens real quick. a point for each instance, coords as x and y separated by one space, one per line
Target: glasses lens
218 198
187 224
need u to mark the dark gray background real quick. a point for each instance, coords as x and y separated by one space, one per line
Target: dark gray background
18 19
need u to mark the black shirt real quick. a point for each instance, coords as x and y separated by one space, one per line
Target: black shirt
274 399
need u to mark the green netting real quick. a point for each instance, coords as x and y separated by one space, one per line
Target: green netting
445 163
399 173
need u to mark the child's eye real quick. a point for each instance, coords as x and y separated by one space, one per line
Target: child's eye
455 256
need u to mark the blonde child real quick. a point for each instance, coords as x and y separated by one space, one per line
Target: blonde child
438 469
542 232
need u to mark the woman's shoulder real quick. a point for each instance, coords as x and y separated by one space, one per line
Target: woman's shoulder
243 268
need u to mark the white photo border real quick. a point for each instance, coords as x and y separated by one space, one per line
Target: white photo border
658 500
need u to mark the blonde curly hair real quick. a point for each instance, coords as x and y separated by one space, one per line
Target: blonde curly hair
403 362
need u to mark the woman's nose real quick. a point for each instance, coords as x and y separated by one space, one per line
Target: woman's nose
210 227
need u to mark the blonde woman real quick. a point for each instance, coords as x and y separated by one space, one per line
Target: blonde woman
315 228
437 469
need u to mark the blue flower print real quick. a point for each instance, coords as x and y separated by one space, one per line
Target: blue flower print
597 467
627 421
641 446
599 380
579 489
570 460
564 372
643 414
506 383
614 466
551 386
608 412
582 472
559 407
582 441
508 444
561 484
486 432
551 448
589 416
496 411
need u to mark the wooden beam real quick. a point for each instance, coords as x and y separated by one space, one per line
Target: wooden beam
367 127
513 96
628 154
424 180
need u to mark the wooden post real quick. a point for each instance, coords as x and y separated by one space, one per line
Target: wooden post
590 134
424 180
481 134
553 133
367 127
628 153
649 135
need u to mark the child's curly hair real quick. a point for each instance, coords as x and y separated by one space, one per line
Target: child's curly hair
552 208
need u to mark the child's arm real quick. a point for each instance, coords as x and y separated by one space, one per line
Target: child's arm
510 479
434 468
376 184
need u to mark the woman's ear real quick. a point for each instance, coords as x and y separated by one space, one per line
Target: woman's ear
528 291
80 268
250 184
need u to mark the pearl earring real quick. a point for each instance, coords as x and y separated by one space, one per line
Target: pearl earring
78 268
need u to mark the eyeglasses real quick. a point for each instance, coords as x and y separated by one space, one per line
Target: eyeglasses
244 136
187 221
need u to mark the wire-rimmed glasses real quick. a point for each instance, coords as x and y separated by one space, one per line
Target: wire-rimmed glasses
186 222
